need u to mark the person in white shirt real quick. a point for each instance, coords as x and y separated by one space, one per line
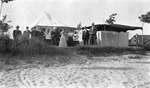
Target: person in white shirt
76 38
99 39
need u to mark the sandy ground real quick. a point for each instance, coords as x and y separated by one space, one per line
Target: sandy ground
127 71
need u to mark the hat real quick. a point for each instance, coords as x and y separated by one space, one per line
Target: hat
17 26
93 23
27 27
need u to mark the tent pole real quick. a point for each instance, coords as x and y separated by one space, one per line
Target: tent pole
1 7
142 35
142 39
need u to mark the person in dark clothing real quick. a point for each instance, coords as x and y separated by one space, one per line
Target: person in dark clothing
85 36
55 35
17 33
37 34
26 33
41 34
92 33
33 33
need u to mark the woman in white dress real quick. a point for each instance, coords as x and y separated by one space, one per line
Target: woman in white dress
63 40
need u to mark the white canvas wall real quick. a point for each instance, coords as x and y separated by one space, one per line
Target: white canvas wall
123 39
114 39
109 39
99 38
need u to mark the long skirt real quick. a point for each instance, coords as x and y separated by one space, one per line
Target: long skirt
63 41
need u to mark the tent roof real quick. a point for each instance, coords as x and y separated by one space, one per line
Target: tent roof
48 20
66 28
115 27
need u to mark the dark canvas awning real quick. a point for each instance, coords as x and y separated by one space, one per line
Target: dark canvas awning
65 28
115 27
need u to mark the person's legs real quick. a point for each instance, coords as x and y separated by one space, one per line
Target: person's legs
87 41
84 41
92 41
53 41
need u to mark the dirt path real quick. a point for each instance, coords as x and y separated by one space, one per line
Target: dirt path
126 71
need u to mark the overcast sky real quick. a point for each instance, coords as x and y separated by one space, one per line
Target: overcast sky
71 12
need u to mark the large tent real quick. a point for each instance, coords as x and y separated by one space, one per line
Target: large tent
115 27
48 22
114 35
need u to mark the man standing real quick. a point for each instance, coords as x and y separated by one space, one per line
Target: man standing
92 33
17 34
76 38
55 35
85 36
47 34
26 33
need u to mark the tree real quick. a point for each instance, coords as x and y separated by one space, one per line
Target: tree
4 26
2 2
145 18
111 19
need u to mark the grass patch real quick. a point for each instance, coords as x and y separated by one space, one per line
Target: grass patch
108 51
37 51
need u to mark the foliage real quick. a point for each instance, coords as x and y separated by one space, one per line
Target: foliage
4 26
145 17
36 46
111 18
6 1
5 43
108 51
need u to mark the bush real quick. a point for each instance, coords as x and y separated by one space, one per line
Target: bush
5 43
108 51
36 46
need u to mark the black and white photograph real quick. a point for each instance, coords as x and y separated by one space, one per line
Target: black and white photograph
74 43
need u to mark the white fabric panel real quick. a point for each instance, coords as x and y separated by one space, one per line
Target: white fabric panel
80 35
114 39
123 39
98 34
99 37
109 39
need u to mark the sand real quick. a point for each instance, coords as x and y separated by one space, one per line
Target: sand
126 71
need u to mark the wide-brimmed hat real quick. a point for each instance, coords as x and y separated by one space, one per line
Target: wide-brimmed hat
17 26
27 27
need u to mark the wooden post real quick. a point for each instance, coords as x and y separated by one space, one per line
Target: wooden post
1 7
142 35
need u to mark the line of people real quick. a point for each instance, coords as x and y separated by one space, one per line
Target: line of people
27 34
56 36
17 34
89 36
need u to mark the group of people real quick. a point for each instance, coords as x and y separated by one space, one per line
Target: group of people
17 34
89 36
56 36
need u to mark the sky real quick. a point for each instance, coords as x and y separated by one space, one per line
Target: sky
71 12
